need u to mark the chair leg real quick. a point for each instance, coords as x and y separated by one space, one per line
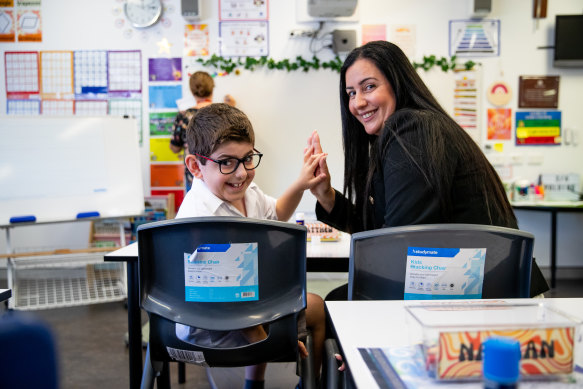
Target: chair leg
148 374
308 373
163 379
181 372
331 377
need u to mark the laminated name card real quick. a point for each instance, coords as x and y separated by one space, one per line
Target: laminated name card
453 335
222 272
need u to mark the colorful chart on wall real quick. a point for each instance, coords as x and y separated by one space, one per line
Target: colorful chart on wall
243 10
91 108
474 38
466 102
125 71
56 74
165 69
196 40
405 36
90 74
23 107
22 73
499 123
29 25
244 39
57 107
160 151
7 26
167 175
164 96
538 128
162 123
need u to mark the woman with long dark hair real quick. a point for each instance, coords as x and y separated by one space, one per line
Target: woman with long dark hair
406 160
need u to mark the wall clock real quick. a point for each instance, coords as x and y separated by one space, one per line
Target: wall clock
143 13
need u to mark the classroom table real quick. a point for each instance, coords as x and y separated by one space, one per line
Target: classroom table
553 207
378 324
5 294
321 257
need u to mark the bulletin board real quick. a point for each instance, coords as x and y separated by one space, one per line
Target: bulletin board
66 168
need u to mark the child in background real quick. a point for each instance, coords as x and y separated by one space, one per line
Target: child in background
222 160
201 86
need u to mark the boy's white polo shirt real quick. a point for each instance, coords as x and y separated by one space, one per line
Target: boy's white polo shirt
200 201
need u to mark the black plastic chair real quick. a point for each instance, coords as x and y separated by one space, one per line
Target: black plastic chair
378 259
281 253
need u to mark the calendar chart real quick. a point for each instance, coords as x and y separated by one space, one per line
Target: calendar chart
23 107
56 73
90 73
21 72
125 71
91 108
57 107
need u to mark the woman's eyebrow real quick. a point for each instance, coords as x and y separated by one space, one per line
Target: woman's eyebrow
362 82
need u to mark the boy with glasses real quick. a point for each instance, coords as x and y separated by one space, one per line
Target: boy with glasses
223 160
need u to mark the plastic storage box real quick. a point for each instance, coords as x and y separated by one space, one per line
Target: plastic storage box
452 335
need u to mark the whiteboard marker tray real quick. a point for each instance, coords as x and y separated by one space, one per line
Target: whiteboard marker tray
66 280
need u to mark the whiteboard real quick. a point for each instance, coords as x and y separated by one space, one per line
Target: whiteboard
67 168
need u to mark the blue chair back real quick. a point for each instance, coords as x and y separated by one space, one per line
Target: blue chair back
28 356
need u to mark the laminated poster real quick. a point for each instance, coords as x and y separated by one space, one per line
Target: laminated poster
538 128
499 123
444 273
222 272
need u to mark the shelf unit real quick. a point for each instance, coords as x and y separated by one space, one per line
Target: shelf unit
64 277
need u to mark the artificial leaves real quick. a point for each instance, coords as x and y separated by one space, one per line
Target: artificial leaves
229 65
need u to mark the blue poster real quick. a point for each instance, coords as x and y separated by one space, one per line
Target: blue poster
164 96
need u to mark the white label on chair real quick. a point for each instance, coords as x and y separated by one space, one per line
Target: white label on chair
196 357
444 273
222 272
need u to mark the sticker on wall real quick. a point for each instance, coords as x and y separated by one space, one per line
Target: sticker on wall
499 94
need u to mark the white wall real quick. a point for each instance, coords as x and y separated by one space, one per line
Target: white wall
286 107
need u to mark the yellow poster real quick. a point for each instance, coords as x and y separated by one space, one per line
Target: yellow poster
160 151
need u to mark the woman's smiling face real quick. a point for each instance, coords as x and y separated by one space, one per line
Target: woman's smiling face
370 96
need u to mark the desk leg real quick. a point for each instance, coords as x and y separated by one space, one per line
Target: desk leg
134 325
553 248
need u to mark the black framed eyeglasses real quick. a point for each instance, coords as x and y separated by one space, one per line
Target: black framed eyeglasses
230 165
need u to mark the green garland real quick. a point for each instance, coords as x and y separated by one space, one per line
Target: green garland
229 65
443 63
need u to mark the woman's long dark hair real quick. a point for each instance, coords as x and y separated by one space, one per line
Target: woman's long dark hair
361 150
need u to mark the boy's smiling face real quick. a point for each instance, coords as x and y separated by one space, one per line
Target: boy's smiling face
228 187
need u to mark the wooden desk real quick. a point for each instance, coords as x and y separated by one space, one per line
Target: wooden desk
361 324
553 207
321 257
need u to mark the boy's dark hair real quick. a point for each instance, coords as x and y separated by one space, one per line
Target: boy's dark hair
201 84
214 125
